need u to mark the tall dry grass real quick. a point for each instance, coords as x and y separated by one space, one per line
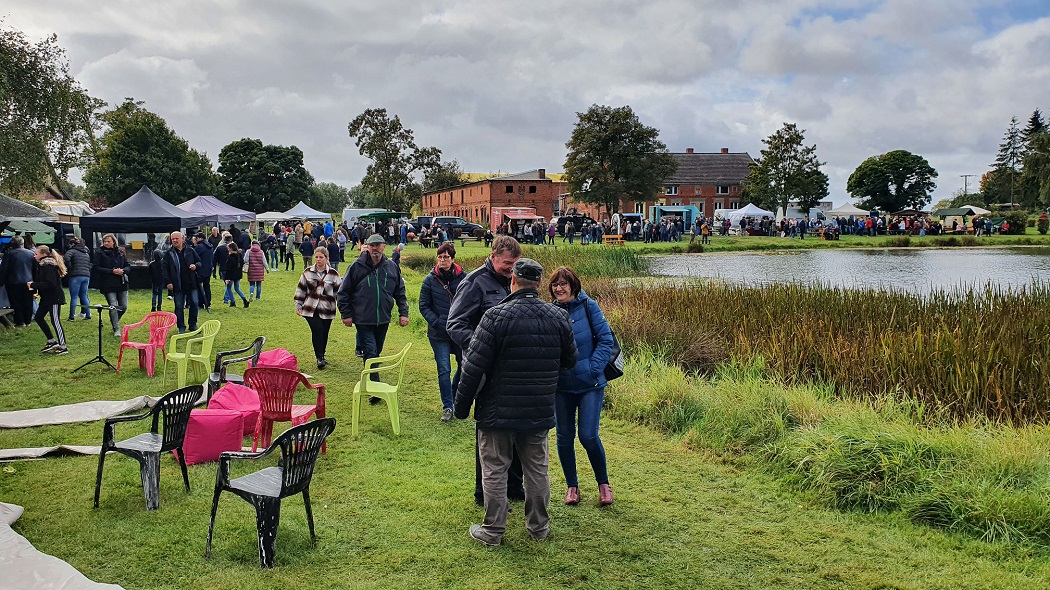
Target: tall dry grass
954 354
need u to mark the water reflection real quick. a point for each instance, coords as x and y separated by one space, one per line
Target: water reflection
916 271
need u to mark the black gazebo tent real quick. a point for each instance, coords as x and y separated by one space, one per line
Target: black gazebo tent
142 212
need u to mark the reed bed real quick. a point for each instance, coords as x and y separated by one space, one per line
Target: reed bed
955 354
589 261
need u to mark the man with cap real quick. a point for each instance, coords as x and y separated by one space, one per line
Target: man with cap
370 288
510 375
481 290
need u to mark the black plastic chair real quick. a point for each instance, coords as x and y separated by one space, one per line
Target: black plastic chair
266 488
220 374
146 448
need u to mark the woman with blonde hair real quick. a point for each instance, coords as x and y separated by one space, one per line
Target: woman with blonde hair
112 269
47 282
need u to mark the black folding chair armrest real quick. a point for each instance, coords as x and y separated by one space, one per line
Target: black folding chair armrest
107 429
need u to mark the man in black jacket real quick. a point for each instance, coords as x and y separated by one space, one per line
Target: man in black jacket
180 275
481 290
203 248
510 374
16 271
370 288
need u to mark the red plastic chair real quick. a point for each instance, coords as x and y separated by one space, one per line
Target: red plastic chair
276 388
160 322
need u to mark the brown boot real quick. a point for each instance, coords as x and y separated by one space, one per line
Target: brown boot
572 496
605 495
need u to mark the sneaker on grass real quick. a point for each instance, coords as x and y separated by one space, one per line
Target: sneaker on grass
475 533
446 416
50 344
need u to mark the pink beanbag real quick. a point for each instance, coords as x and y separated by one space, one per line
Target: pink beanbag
278 358
240 399
211 432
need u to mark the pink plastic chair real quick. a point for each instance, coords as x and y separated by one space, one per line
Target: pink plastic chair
276 388
160 322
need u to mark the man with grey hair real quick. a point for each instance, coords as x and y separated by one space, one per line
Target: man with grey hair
482 289
16 272
510 375
180 275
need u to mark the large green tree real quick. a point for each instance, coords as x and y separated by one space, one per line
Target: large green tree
46 118
613 156
787 171
329 197
442 176
261 177
1036 175
397 161
1029 185
1004 185
138 148
893 181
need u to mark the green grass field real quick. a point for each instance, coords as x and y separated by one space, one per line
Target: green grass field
393 511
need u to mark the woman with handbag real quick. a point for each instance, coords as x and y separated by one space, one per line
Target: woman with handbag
435 299
581 390
112 269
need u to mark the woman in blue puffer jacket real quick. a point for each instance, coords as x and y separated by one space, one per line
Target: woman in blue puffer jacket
581 390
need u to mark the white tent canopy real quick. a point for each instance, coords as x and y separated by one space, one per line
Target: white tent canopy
304 211
749 210
847 210
271 216
976 210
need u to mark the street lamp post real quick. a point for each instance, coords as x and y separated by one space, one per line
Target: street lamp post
965 178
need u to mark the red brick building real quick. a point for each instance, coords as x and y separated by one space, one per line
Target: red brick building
707 181
473 201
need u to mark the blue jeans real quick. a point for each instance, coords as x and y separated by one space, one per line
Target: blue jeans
78 289
184 299
230 288
371 340
589 406
255 288
443 349
158 297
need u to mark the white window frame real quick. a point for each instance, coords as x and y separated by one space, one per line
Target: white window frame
671 190
723 189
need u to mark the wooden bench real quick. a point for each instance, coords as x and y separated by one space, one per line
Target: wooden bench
463 239
612 240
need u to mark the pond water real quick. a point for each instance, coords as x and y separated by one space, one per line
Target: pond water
912 270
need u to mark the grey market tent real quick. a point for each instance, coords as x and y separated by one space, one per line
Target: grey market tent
215 211
143 211
304 211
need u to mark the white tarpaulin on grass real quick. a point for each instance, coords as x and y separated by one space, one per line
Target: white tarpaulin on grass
25 568
82 412
41 452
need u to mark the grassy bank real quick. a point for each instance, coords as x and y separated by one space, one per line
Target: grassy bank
989 482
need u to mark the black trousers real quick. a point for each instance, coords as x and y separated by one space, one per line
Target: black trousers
21 299
515 479
319 328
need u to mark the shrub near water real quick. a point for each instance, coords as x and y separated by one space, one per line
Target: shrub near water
957 354
587 261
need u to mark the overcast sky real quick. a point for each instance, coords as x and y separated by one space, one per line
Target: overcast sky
497 85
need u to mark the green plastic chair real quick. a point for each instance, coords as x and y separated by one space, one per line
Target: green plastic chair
195 351
366 388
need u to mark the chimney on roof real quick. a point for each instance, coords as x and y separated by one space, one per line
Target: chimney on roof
688 150
543 173
725 150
